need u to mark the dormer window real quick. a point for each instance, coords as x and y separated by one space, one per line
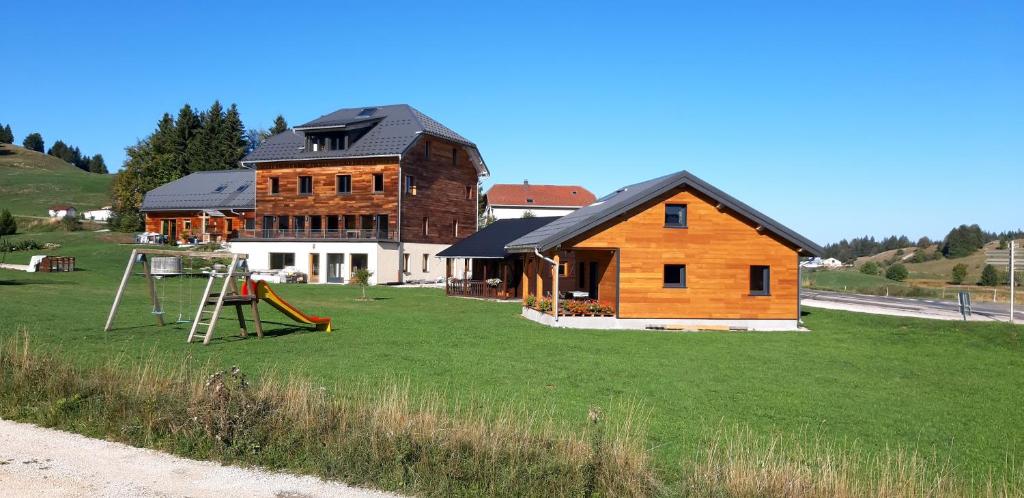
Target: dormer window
338 142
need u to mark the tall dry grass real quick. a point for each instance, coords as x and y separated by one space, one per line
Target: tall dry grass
736 462
383 438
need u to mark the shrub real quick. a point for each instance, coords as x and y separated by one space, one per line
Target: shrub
990 276
70 224
897 272
544 305
530 301
8 226
871 268
918 257
586 307
21 245
361 277
959 273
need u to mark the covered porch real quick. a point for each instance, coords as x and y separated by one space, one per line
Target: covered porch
571 282
485 278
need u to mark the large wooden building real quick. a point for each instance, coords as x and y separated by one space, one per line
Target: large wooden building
384 188
670 252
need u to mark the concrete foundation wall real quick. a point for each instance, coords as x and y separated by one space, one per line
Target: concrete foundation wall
586 322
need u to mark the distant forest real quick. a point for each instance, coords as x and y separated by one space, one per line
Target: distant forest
959 242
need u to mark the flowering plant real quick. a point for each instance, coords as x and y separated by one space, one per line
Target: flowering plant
493 282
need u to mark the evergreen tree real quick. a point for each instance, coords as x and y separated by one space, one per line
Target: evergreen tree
989 276
203 153
186 127
6 135
34 141
959 273
232 139
963 241
60 150
280 125
897 272
8 226
97 164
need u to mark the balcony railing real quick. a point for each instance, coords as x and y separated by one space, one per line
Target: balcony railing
307 234
477 288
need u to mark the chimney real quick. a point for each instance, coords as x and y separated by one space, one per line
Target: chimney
526 182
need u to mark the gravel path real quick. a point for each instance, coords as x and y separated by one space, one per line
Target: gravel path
38 462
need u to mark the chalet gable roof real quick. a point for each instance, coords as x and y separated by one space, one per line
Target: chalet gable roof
392 129
629 197
205 190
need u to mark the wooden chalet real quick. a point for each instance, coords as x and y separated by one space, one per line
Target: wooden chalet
206 206
672 252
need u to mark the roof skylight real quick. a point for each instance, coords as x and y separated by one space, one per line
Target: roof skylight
220 188
368 111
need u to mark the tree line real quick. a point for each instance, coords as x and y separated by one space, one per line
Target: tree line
961 241
214 139
34 141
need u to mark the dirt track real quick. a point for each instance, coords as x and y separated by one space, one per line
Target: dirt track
37 462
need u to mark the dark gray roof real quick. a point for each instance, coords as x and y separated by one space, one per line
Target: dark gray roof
226 189
393 128
624 199
490 241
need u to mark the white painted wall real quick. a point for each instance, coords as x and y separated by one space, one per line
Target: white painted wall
435 266
504 213
381 258
97 215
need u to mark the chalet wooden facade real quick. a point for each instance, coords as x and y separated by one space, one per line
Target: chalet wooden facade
672 252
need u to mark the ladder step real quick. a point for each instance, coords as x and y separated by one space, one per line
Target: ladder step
203 323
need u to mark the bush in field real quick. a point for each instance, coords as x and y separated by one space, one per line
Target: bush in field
897 272
871 268
70 224
990 276
361 277
959 274
7 224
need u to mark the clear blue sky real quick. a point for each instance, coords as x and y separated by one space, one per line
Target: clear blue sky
837 120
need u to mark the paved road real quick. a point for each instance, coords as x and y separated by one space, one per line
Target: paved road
902 306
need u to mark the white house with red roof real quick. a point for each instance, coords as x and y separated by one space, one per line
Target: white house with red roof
514 200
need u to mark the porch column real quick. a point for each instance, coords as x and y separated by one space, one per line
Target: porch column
524 283
539 275
554 285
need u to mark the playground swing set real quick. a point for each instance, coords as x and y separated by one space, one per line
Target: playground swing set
160 264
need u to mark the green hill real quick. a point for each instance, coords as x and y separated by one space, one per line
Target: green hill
30 182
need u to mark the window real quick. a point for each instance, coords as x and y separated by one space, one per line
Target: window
378 182
250 223
305 185
220 188
405 263
186 224
242 188
581 279
279 260
332 223
300 223
426 263
343 184
368 111
410 184
426 226
282 222
338 142
275 185
231 225
563 269
675 215
349 221
675 276
426 150
469 192
316 223
529 201
455 227
455 156
760 280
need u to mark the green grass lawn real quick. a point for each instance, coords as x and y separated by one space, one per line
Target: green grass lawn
946 388
30 182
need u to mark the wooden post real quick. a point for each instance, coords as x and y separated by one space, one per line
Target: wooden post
152 293
539 276
1013 283
554 285
120 291
256 317
524 283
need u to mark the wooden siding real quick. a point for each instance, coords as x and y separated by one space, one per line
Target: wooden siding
718 248
440 192
325 200
216 226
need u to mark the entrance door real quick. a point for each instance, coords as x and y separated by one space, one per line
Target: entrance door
592 280
334 264
169 229
268 226
314 268
381 223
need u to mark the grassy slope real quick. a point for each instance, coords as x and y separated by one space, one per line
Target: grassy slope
936 271
945 387
30 182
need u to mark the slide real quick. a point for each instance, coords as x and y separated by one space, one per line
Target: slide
264 292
